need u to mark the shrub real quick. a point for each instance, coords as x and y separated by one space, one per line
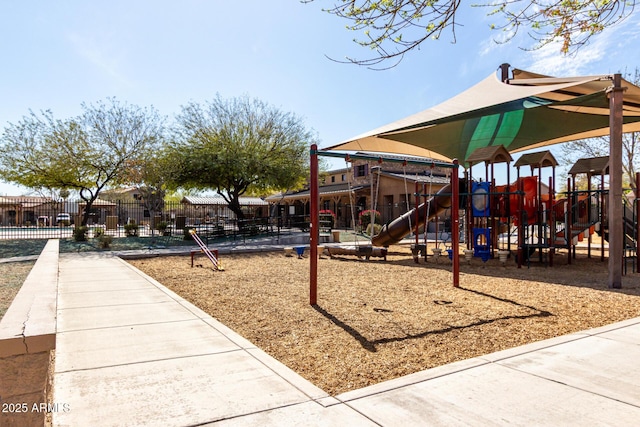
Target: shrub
131 230
98 232
187 233
104 241
80 233
365 217
376 229
327 215
163 228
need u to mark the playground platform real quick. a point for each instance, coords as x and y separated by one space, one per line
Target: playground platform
131 352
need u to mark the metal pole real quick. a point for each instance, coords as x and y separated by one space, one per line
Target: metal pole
471 221
508 209
455 223
588 202
504 73
426 218
637 222
568 231
551 217
616 238
602 216
417 217
313 226
372 216
468 222
521 220
539 214
492 220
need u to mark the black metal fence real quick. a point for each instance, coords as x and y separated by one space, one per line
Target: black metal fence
41 218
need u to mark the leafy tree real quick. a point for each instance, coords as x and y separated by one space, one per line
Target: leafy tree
148 175
392 28
84 153
239 146
597 147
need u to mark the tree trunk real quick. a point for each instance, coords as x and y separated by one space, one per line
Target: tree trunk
235 207
87 208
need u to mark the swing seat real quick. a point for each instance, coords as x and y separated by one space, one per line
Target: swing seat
300 251
450 253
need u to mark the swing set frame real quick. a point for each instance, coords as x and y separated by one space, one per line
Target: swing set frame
314 229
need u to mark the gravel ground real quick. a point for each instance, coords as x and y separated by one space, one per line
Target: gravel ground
378 320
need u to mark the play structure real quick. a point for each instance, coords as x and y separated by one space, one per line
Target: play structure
526 219
520 110
212 255
314 213
414 219
378 240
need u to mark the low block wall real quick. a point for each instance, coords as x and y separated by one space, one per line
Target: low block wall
27 341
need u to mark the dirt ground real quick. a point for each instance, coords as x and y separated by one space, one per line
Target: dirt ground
378 320
12 276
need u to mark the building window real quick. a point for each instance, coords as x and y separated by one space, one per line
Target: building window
333 178
344 177
361 170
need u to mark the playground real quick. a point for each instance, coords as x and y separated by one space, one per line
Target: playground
376 320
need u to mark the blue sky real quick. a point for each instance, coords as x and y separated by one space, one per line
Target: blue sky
59 54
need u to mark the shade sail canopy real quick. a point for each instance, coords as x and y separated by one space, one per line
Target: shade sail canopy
528 111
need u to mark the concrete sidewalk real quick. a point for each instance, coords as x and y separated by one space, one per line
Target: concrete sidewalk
131 352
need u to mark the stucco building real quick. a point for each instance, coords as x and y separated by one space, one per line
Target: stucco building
386 186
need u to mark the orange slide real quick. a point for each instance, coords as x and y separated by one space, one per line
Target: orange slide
397 229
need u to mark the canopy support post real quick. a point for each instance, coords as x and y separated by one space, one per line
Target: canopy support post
504 73
314 231
616 238
455 224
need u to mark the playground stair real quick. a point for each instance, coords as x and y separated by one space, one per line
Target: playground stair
582 219
578 232
630 223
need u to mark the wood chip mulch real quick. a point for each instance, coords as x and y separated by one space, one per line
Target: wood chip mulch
378 320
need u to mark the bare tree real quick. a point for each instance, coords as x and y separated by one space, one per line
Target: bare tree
392 28
598 147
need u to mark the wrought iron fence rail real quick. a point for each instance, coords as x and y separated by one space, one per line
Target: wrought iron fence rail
40 218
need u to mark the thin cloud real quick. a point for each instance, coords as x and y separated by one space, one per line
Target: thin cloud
99 57
497 42
606 49
549 60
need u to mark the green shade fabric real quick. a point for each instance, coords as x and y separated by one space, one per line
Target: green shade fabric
528 111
